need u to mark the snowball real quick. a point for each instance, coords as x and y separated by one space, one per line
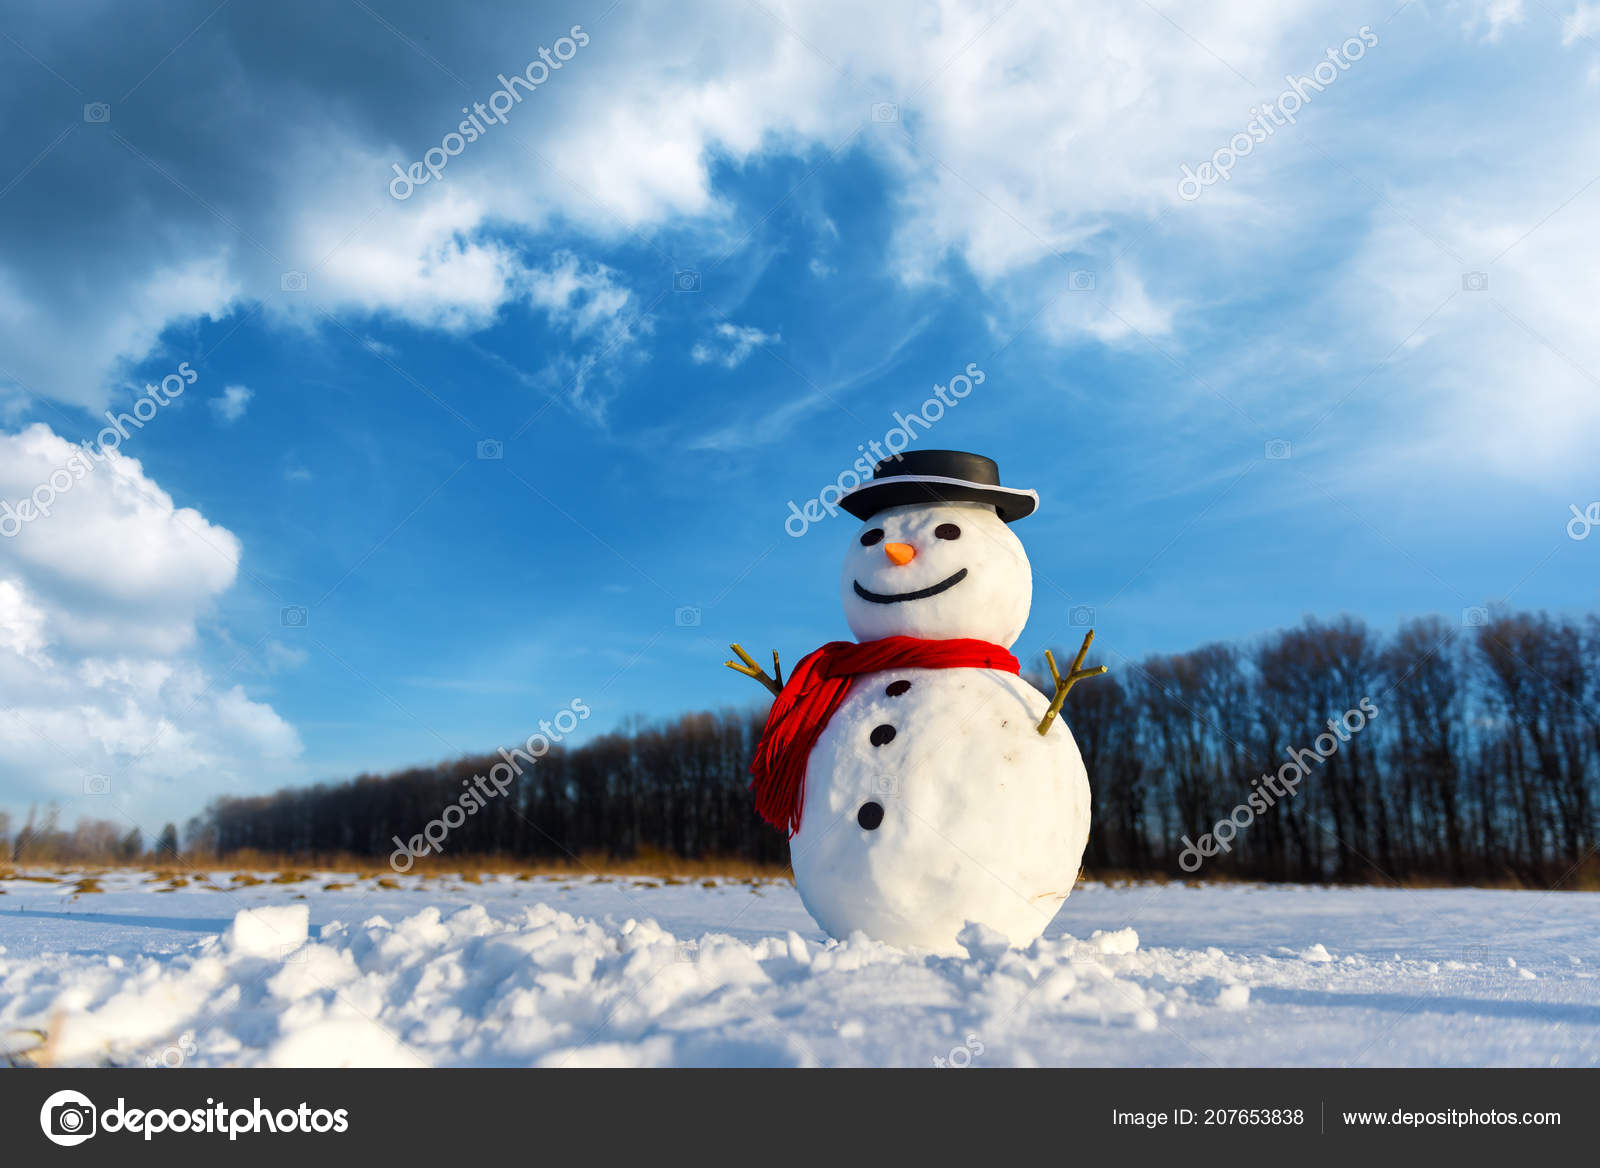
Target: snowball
1120 941
269 932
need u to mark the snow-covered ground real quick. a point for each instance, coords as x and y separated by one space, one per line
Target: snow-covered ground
634 971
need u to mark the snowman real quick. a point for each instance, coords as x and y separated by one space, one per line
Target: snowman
923 783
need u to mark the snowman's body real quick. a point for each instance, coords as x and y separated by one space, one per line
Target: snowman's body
930 798
983 818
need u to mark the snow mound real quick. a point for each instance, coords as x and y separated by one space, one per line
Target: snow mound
567 972
547 988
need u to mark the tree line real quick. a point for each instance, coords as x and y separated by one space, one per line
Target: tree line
40 839
1479 761
677 787
1482 762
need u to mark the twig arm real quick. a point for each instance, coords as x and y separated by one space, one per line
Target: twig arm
750 669
1064 684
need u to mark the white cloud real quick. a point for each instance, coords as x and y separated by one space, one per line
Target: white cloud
169 562
1114 308
1000 175
73 343
427 263
589 302
1510 372
587 299
1497 16
1031 140
100 666
730 344
21 623
1580 24
280 658
230 407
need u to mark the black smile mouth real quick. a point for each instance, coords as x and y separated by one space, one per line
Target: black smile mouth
919 594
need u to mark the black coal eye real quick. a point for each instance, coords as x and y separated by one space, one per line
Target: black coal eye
868 538
947 531
870 816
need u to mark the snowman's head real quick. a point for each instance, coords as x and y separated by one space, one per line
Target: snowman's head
937 571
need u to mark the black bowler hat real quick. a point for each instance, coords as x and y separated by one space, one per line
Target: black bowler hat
938 476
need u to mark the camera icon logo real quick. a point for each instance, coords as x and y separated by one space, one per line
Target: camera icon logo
293 616
1081 280
491 449
1474 281
68 1118
97 784
885 112
292 282
1475 617
686 281
97 113
687 617
886 785
1279 449
688 951
1081 616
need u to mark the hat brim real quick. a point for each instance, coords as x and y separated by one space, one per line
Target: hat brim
896 491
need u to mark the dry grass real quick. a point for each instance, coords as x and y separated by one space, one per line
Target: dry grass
246 869
13 874
1584 878
281 869
27 1047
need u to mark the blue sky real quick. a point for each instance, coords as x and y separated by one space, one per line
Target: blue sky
868 205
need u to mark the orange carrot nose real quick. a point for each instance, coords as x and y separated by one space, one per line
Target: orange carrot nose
900 553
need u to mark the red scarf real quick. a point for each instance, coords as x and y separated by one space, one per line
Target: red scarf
817 688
